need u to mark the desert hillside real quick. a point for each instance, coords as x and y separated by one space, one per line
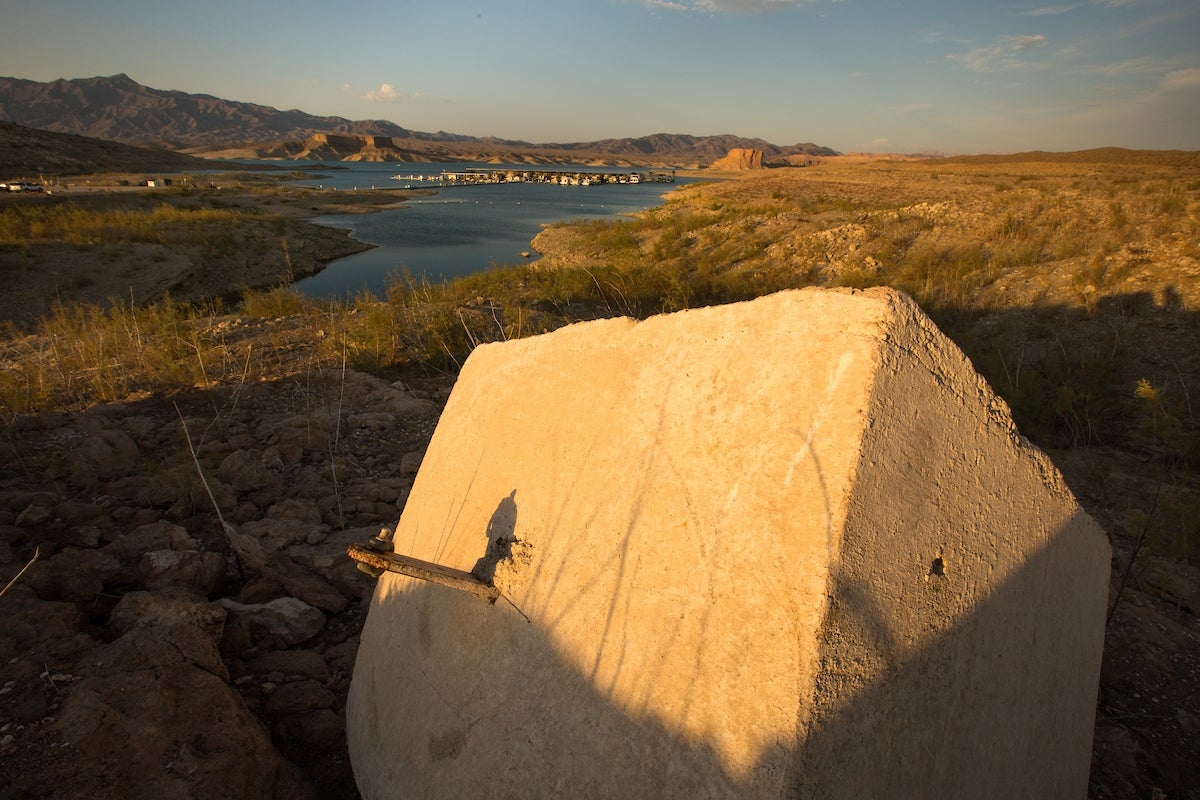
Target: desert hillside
31 153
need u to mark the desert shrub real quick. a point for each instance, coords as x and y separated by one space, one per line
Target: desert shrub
1021 254
1118 220
940 277
1171 203
1072 241
1012 227
71 223
368 335
84 354
280 301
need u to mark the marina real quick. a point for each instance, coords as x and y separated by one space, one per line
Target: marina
484 175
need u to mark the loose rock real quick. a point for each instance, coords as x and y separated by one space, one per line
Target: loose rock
279 623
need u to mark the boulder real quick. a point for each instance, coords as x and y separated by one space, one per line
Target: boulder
72 513
244 471
279 623
375 395
290 662
102 456
154 637
298 509
322 729
44 631
298 697
151 715
171 731
74 574
166 609
791 547
283 532
162 535
279 567
202 573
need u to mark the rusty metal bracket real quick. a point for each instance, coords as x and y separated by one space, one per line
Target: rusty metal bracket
380 562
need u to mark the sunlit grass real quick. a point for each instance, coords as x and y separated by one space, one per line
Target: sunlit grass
66 222
84 354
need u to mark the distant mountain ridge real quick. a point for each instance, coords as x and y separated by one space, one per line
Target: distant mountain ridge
31 153
118 108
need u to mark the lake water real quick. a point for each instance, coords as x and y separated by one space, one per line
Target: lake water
458 230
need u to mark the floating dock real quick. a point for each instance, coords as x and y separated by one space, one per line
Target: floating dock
483 175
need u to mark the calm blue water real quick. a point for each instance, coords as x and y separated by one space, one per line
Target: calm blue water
458 230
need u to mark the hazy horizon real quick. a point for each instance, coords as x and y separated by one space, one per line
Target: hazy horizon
857 77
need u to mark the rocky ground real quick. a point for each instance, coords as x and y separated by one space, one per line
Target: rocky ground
148 640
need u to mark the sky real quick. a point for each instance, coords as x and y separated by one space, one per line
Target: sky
919 76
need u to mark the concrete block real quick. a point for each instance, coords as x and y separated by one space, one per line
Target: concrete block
792 547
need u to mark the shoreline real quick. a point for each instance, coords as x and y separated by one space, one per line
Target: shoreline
284 248
529 254
269 241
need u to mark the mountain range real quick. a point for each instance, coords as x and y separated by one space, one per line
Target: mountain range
118 108
29 153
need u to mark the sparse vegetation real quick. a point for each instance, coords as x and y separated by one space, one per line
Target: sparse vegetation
86 354
165 224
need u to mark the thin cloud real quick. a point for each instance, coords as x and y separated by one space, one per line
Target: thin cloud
1167 93
386 93
728 6
1003 56
1050 11
1020 44
936 36
1180 79
1045 11
1130 66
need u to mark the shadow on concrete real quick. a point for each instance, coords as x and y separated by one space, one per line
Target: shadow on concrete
1070 373
482 704
500 538
980 710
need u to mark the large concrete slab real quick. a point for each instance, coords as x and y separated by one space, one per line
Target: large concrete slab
790 547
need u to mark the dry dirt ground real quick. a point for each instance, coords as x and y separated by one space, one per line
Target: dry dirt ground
148 640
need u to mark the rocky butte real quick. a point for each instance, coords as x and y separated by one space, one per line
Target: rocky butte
787 548
739 158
